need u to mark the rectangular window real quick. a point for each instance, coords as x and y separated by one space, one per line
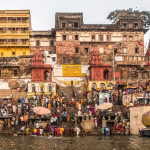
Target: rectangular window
136 50
130 38
86 50
52 43
115 51
63 25
76 60
136 37
37 43
76 50
101 37
76 37
64 60
50 52
13 53
93 37
108 37
124 38
15 72
76 25
125 50
2 53
124 25
135 25
53 58
64 37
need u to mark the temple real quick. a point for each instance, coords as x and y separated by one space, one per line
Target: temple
98 70
40 72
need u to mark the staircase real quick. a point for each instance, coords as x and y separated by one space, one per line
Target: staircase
15 93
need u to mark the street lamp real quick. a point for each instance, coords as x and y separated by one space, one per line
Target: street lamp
111 47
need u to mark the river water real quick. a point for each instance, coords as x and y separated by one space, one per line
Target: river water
74 143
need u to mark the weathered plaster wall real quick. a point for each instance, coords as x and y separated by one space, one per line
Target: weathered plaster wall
136 118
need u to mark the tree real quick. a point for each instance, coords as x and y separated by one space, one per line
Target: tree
145 14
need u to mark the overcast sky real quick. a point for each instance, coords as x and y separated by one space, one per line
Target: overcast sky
94 11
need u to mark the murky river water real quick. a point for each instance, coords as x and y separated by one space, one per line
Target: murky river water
75 143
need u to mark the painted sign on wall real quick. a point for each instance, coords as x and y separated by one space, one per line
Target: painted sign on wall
71 70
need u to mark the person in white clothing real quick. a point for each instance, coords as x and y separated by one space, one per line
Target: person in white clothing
77 129
14 108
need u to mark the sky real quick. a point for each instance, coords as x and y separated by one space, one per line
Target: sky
94 11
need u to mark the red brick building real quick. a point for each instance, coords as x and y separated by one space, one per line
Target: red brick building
40 71
98 70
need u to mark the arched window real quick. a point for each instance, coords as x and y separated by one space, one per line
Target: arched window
33 88
94 86
102 85
46 76
110 85
105 73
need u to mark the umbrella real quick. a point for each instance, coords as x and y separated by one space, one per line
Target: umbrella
105 105
13 84
41 110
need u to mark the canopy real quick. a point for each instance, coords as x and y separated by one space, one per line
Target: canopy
41 110
105 105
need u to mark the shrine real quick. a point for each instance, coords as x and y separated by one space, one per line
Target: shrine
98 71
40 72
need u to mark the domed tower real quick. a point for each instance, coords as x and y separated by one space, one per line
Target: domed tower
40 71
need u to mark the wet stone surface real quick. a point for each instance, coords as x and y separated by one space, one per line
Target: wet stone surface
75 143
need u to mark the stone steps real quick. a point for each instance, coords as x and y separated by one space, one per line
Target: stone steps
15 93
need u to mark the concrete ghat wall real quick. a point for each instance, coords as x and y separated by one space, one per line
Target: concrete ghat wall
4 83
136 114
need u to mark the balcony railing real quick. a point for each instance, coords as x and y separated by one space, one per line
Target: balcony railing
14 32
14 21
14 43
131 59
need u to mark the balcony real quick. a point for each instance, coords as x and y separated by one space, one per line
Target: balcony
14 32
6 44
131 60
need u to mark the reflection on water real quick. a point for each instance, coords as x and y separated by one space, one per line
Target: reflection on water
75 143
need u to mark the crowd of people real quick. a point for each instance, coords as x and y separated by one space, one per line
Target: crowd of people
21 113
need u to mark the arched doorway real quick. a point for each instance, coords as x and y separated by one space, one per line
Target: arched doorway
46 76
33 88
105 73
102 85
94 86
110 85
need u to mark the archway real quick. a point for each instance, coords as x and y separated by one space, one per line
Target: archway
94 86
46 76
33 88
110 85
105 73
102 85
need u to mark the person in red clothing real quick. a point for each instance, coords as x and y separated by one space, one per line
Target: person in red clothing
56 114
38 131
47 129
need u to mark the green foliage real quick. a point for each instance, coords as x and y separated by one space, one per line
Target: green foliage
145 14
